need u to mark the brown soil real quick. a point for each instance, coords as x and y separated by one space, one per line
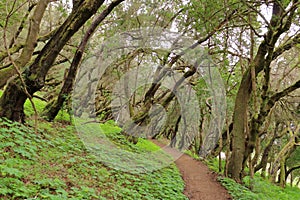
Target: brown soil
200 182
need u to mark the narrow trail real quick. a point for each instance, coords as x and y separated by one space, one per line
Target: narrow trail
200 182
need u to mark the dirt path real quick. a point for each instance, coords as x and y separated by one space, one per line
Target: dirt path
200 183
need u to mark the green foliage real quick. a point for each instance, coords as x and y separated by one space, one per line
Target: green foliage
192 154
54 164
145 145
261 189
213 164
113 132
237 191
206 15
39 105
62 116
266 190
17 14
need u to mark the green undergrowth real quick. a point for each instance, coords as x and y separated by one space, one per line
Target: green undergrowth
192 154
55 164
117 152
213 164
262 189
112 132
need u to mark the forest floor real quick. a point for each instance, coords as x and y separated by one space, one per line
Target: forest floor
200 182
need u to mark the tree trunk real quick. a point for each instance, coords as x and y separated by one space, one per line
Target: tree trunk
240 129
12 101
264 160
267 151
171 125
282 181
280 160
298 182
14 96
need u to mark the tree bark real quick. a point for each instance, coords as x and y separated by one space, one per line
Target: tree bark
171 124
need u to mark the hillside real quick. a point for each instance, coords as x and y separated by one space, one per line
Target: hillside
54 164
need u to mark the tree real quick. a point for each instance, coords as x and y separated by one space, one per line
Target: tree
29 28
14 96
243 139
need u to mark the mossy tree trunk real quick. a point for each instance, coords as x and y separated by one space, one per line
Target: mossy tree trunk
12 101
240 129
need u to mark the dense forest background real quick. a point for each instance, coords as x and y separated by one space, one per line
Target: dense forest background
253 47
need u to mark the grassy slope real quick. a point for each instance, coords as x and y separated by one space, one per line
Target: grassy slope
54 164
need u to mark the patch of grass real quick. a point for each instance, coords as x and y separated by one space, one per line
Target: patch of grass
237 191
192 154
145 145
55 164
266 190
262 189
111 130
116 151
63 116
39 105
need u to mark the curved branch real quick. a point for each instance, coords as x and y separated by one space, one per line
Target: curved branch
287 46
259 13
284 92
291 170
